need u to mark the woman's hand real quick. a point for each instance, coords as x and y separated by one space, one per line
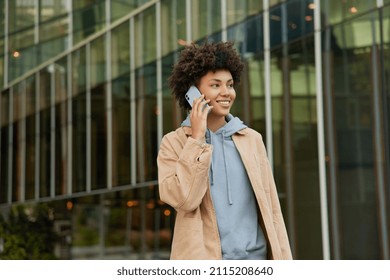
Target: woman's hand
198 117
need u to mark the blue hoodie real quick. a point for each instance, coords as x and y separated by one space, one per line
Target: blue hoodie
232 195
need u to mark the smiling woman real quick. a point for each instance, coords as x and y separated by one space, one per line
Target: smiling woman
208 169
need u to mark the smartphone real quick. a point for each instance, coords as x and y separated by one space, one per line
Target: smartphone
192 94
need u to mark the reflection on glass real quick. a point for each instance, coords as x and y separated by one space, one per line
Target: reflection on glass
386 60
352 88
337 11
98 138
4 118
120 8
2 15
131 224
300 18
98 61
53 37
121 138
79 119
50 9
21 14
79 142
173 25
22 54
120 50
88 18
173 115
204 24
1 68
45 134
98 115
30 156
146 119
145 34
61 127
304 148
238 11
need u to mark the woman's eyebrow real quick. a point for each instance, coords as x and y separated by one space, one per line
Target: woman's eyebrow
220 81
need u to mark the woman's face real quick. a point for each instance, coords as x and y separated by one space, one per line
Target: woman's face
218 87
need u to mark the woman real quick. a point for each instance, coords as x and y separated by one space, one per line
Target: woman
214 169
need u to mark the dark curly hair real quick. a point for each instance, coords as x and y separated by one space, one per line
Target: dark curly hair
195 61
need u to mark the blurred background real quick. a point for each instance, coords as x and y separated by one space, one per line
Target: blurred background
84 104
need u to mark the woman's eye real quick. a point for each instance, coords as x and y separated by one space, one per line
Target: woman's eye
214 86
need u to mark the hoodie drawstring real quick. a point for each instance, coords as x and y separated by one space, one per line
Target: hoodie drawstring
209 140
229 194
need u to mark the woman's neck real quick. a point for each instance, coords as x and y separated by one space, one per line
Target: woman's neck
215 123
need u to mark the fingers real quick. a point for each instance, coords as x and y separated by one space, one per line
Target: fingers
199 105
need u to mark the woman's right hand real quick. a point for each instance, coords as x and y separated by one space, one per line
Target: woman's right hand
198 117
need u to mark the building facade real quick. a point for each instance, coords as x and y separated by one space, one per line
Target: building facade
84 104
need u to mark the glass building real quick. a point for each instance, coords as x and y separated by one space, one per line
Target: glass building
84 104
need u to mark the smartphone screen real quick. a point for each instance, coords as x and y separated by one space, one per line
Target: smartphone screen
192 94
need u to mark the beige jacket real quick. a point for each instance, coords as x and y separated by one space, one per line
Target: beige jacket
183 175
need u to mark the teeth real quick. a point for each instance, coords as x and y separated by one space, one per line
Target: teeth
224 102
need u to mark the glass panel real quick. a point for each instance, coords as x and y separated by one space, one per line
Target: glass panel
2 16
98 61
17 140
30 137
338 11
204 24
121 138
299 19
120 8
240 10
86 216
53 37
52 8
120 50
21 14
146 118
22 54
98 115
4 166
275 16
248 36
301 67
1 70
173 25
45 133
145 37
131 224
79 73
351 89
386 83
61 123
295 125
98 137
79 120
88 17
256 102
274 2
173 115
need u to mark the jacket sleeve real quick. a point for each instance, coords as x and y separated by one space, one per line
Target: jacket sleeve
183 173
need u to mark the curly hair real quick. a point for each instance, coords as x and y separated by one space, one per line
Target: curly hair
196 61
